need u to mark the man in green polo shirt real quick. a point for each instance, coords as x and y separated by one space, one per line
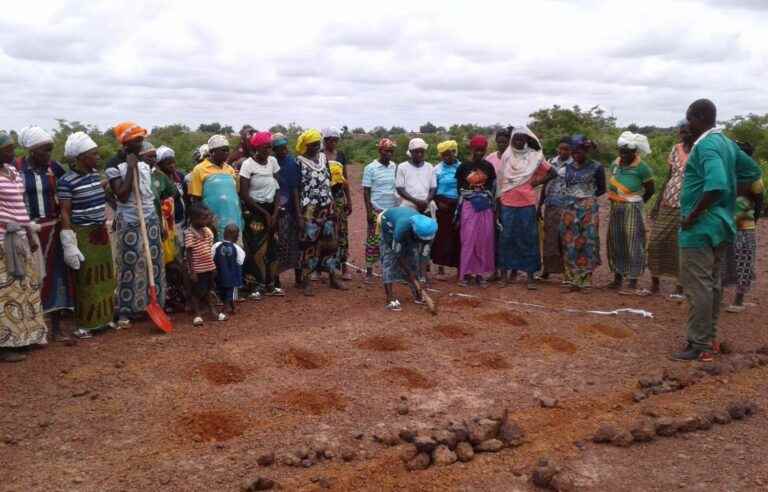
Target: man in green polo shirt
707 204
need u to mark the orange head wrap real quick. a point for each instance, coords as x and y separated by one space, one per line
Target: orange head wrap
128 130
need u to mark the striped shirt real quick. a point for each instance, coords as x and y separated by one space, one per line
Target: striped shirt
12 208
200 244
40 188
381 180
87 196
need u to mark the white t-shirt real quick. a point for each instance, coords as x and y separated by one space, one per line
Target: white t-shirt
417 181
262 178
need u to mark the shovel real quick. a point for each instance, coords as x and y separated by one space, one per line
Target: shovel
431 305
154 310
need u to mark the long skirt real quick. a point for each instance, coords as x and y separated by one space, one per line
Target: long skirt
372 240
342 226
288 251
391 271
133 283
261 249
551 253
626 239
478 230
580 240
57 290
21 313
318 240
740 259
95 280
519 239
446 247
663 250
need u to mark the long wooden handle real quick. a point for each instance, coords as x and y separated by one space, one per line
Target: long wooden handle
143 227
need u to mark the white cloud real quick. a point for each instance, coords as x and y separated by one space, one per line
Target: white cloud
367 64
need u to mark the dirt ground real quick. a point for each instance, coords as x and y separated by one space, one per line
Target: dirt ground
139 410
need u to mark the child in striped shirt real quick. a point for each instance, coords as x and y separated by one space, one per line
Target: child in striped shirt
198 242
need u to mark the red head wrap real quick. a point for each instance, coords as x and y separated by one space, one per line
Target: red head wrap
259 139
478 142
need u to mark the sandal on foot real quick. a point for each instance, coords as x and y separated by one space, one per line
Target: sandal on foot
393 306
122 324
82 334
198 321
222 317
276 292
733 308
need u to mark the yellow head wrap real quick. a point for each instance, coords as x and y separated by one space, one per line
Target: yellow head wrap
446 146
337 173
308 137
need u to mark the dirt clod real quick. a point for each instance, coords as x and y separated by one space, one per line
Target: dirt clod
465 452
623 439
490 360
288 459
267 459
424 443
221 373
605 433
408 452
420 462
445 438
667 426
511 433
348 455
721 417
408 378
453 331
504 317
643 430
548 402
490 446
737 411
544 473
483 430
261 483
213 425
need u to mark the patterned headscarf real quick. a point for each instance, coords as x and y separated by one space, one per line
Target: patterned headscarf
386 143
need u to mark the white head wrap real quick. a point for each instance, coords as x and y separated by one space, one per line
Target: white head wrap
416 143
164 152
331 132
32 136
518 166
147 147
204 151
77 144
635 141
217 142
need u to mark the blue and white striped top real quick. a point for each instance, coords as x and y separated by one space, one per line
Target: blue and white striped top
87 196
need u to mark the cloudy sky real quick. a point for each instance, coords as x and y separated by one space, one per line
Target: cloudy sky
376 63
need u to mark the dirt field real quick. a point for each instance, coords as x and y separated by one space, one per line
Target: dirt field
138 410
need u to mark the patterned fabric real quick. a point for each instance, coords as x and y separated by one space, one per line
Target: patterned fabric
391 271
580 236
199 242
95 280
12 208
261 250
288 251
372 239
126 211
586 181
551 253
89 201
519 239
663 250
133 283
318 239
740 260
342 224
554 192
21 315
40 188
677 159
626 239
57 290
626 183
315 183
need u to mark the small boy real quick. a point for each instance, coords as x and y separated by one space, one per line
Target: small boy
198 243
229 259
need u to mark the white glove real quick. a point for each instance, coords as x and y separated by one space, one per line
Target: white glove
72 255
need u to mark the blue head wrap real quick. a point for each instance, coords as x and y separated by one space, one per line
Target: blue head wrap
424 227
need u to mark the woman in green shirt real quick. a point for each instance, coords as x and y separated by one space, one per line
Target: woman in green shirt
630 185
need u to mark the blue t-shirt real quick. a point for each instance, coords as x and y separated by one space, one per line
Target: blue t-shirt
396 224
446 180
381 180
288 178
229 274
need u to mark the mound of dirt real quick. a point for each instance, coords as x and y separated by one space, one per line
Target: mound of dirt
212 425
505 317
312 402
489 360
463 302
301 359
606 330
220 373
408 378
548 343
383 344
453 331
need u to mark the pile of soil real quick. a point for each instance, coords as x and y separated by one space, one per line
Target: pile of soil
220 373
548 343
505 317
312 402
301 359
408 378
212 425
453 331
383 343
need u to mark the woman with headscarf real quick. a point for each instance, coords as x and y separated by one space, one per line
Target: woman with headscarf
523 168
289 179
40 174
215 183
446 246
318 213
552 200
341 194
663 250
133 282
84 235
583 181
258 191
405 238
630 185
243 150
476 181
380 194
502 142
22 323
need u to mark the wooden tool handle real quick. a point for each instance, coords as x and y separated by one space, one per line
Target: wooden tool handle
143 227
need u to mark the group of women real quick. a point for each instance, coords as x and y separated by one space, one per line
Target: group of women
483 216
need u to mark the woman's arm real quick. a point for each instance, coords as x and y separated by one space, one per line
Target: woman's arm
122 187
600 181
65 205
649 189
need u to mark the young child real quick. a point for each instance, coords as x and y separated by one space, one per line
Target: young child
198 243
229 259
